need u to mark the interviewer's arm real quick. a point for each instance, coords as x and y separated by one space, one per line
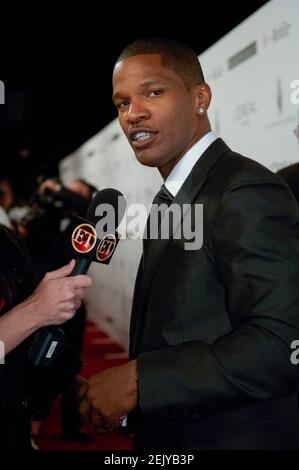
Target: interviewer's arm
54 301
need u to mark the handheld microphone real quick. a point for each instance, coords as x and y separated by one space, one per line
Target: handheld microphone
90 241
90 245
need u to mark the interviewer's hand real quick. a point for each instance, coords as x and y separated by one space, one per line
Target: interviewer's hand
58 296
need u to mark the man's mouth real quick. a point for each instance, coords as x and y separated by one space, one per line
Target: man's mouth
141 138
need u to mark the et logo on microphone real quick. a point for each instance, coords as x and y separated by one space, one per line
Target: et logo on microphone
84 238
106 247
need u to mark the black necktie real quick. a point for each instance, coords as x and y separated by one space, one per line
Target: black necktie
162 197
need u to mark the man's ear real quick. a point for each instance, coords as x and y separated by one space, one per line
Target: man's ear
203 96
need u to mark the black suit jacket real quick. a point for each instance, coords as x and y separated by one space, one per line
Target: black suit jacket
291 175
212 328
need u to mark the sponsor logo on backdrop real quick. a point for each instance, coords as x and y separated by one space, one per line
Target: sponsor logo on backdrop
289 118
279 97
216 73
242 55
278 32
243 112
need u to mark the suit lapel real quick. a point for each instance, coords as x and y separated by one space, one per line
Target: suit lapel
135 303
186 195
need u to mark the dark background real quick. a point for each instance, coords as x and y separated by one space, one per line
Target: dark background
57 73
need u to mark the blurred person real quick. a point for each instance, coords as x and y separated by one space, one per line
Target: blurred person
6 201
25 308
211 328
4 219
74 198
6 194
54 209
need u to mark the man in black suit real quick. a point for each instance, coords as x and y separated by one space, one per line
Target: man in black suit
211 328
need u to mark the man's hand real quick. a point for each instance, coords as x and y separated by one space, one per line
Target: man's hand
111 395
76 390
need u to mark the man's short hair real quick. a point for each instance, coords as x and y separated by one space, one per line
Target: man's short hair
175 55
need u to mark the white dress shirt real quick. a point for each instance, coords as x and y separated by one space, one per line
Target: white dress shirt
178 175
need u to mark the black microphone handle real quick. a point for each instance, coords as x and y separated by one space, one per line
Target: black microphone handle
81 266
49 341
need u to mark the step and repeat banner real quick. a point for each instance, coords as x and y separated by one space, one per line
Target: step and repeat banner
254 75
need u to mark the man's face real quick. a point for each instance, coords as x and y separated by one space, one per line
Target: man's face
156 111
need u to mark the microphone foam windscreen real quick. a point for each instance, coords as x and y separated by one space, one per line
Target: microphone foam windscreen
111 197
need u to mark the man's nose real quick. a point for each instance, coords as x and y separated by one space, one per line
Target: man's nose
136 112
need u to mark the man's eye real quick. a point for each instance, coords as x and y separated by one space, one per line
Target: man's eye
156 93
121 104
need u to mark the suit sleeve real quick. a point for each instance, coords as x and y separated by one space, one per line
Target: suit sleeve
255 239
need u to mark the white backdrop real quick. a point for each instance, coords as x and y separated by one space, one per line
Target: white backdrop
250 71
251 106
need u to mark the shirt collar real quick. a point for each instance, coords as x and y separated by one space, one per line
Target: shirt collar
178 175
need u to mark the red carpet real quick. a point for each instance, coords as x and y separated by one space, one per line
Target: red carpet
99 353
